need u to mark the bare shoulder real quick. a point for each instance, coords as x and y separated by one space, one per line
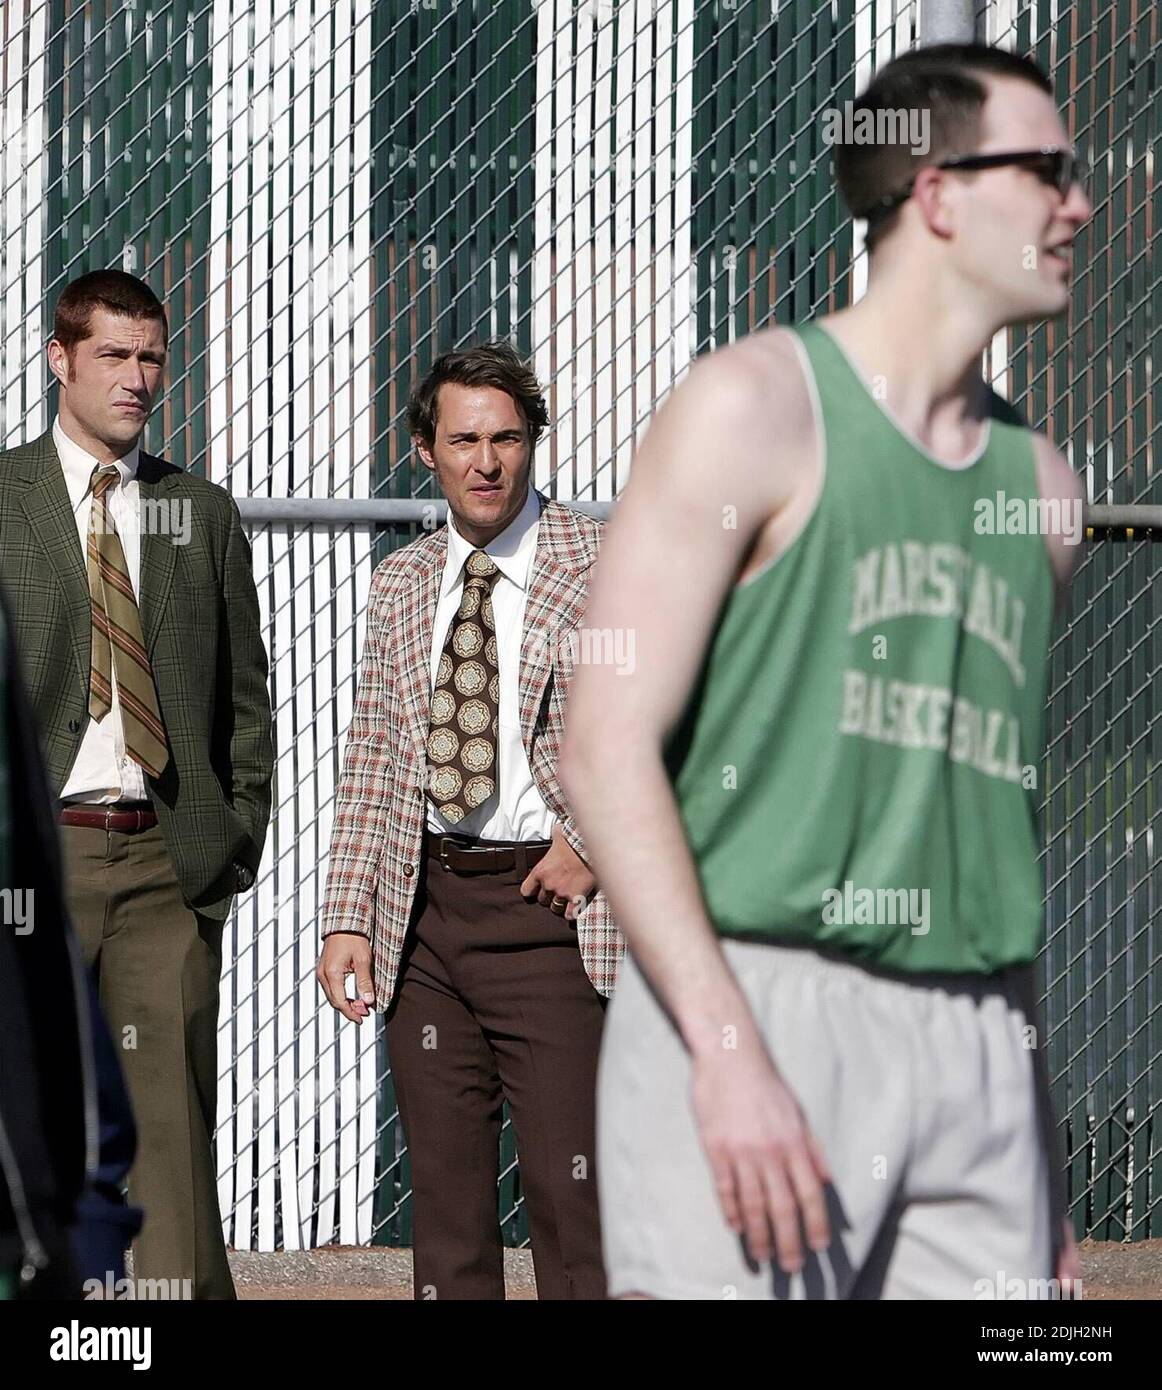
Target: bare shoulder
747 409
1055 475
758 379
1058 482
768 367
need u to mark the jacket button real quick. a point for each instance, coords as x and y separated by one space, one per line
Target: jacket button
74 725
408 870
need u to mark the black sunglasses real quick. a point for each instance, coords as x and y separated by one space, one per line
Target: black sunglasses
1058 168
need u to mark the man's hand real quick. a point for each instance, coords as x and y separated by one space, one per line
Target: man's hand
1068 1260
561 880
347 953
768 1167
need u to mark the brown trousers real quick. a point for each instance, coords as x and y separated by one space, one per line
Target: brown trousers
493 1002
158 967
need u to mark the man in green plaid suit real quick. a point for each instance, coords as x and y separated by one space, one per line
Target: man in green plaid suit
137 625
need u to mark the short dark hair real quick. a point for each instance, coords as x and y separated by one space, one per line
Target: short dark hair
114 290
943 79
494 363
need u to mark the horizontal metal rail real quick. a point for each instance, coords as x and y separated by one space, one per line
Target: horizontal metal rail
1142 520
354 511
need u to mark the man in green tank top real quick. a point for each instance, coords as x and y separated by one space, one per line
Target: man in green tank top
813 801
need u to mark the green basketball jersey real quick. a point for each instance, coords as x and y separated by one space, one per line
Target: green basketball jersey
859 765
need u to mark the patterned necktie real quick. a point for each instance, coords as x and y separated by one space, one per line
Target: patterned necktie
118 647
462 752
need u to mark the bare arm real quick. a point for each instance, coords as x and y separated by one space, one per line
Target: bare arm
1057 481
729 450
666 564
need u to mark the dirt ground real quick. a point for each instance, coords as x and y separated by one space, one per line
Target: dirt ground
1109 1271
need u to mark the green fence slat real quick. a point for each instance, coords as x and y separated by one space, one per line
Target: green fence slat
1137 731
745 122
75 209
1146 1153
783 180
175 443
99 20
412 348
460 26
152 181
439 43
198 240
725 147
521 108
392 1208
706 76
764 176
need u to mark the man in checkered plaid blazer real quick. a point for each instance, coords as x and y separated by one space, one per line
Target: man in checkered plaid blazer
458 894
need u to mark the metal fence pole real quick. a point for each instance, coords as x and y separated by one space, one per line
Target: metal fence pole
1141 519
947 21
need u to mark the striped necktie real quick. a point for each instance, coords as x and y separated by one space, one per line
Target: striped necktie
118 648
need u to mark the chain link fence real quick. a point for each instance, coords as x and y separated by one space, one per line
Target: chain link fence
327 193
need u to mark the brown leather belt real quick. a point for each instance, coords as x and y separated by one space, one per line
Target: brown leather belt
128 818
486 856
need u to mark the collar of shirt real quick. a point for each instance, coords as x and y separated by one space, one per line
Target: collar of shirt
78 465
512 551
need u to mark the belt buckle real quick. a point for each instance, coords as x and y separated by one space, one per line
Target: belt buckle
469 850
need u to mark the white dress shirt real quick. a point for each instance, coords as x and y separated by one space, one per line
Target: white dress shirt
515 811
103 771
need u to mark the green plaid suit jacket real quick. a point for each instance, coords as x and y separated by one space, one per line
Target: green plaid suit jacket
200 619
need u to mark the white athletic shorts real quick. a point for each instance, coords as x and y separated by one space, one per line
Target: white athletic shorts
922 1096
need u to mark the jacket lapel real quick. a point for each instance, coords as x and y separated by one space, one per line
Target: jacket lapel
411 638
158 552
46 506
554 605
